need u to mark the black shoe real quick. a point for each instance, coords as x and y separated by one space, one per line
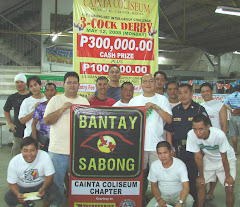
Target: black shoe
30 204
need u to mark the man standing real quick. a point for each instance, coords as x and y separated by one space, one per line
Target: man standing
50 91
161 79
169 179
172 92
178 129
101 99
14 101
217 113
158 112
30 171
114 74
29 104
127 94
218 160
232 102
57 115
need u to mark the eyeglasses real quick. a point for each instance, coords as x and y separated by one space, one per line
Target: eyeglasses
72 82
151 81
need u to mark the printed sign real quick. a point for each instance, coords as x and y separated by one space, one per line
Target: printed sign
106 156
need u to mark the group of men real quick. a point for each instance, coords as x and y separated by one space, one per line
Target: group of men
173 119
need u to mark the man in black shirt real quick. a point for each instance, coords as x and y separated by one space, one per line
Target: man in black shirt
14 102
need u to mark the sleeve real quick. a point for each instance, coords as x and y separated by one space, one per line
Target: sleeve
226 101
37 113
192 146
164 104
11 173
169 127
48 165
23 109
223 143
8 105
51 107
183 173
152 175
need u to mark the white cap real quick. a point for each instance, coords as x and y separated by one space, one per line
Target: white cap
20 77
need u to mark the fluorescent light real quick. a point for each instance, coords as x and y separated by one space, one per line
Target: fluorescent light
228 10
55 36
236 52
161 59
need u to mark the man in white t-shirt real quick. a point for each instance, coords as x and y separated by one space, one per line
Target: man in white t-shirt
217 113
218 160
30 171
57 115
127 94
29 104
158 112
169 179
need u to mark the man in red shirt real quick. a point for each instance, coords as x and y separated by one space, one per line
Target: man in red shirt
101 99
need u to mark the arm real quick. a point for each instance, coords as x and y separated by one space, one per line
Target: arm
169 139
48 181
15 190
28 117
166 117
228 180
9 121
34 131
184 193
53 117
223 119
198 156
157 194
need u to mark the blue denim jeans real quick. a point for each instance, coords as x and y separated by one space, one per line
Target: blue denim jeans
61 164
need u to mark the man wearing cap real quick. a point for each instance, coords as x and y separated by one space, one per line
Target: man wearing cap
13 102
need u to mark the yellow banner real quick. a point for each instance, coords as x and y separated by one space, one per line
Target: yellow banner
115 32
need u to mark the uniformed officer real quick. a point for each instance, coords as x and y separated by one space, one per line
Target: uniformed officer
178 129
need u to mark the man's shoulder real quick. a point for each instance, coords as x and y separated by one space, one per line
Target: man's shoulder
178 163
136 98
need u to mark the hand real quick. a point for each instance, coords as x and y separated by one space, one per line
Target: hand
41 192
162 203
150 105
13 127
90 97
20 198
40 146
236 111
173 153
200 180
178 204
66 106
229 181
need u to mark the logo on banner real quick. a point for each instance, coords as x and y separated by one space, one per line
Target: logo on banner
127 203
106 142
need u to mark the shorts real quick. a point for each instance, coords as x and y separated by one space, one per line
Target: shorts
234 126
213 168
149 158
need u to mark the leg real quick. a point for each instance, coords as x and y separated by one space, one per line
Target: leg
47 203
229 196
16 145
10 199
210 194
145 181
61 163
201 189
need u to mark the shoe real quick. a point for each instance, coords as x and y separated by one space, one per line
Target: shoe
30 204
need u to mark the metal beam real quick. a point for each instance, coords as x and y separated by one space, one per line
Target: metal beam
206 58
189 73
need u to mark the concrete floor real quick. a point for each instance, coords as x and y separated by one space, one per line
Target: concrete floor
218 201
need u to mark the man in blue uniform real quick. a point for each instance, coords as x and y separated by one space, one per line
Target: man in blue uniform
178 129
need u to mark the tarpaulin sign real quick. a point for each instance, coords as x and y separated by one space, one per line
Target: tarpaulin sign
106 156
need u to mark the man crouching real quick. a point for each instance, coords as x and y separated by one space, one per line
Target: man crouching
169 179
30 171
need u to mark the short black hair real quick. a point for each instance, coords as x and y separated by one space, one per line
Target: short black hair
171 82
201 118
163 144
186 85
36 78
51 84
111 66
125 83
102 78
160 72
27 141
206 84
68 74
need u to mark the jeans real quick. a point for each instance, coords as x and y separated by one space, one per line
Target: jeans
61 164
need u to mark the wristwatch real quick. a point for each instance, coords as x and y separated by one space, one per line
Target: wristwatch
180 201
